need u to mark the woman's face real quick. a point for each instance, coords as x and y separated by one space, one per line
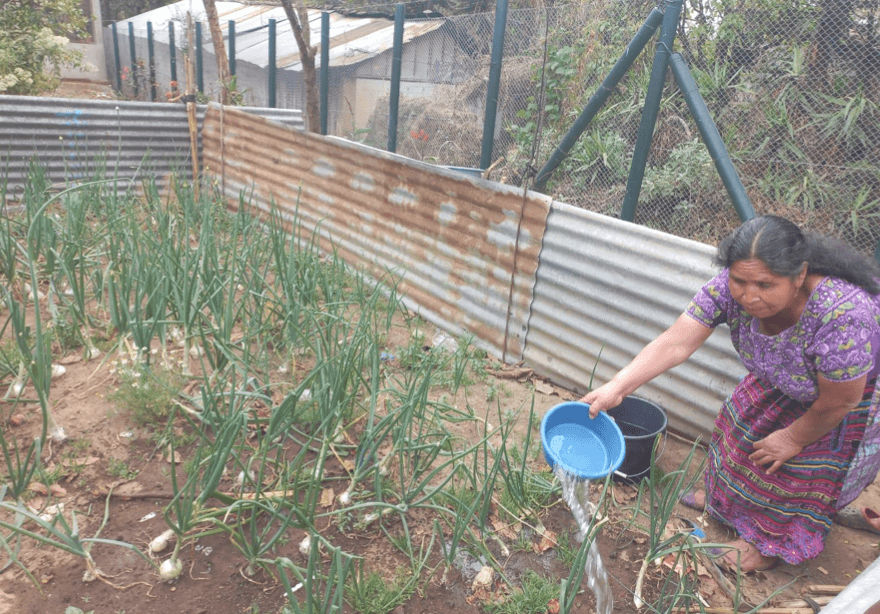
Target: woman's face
762 293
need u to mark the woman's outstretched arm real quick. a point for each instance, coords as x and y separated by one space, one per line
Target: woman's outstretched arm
671 348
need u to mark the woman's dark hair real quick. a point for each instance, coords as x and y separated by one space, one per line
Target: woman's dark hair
784 249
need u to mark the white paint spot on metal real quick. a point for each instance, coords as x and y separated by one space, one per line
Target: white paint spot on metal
448 212
363 182
324 168
503 235
402 197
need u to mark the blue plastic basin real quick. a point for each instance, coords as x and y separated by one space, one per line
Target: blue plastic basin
588 448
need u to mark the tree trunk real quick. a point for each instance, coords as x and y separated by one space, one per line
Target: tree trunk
219 50
299 23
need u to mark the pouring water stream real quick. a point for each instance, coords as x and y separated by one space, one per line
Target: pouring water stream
576 492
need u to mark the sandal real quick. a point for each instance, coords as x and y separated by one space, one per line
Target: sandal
689 499
854 518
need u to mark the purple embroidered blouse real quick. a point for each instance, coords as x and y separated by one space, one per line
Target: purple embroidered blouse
838 335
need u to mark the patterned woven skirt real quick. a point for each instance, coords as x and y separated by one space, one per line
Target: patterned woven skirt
787 514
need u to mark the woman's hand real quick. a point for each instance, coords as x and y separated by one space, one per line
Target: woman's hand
775 449
603 398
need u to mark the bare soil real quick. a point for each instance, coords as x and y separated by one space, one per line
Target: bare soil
101 437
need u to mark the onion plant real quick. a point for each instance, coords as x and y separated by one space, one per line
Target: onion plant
54 532
75 261
664 490
324 592
187 507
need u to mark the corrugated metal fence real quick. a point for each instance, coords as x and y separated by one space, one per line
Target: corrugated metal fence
454 240
559 288
76 140
532 280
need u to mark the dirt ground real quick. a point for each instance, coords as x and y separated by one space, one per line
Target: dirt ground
75 88
102 437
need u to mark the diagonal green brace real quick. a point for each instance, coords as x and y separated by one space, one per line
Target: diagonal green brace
597 100
712 138
650 110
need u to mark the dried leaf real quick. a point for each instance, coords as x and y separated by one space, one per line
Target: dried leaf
39 489
79 462
702 571
517 373
327 496
348 464
58 491
641 540
504 529
553 606
69 360
17 420
544 388
177 457
548 540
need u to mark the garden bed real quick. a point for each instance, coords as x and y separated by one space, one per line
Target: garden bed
250 395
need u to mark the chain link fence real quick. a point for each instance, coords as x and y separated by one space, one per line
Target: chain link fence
793 87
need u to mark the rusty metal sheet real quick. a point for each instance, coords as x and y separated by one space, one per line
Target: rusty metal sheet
605 288
455 241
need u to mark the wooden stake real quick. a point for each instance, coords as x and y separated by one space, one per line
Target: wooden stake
191 104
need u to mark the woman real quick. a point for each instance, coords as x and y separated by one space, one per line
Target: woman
799 437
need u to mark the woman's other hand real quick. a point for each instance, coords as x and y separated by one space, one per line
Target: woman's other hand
775 449
603 398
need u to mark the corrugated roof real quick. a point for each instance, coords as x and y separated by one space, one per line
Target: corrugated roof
352 39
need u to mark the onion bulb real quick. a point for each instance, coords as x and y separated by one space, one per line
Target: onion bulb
161 542
170 569
305 546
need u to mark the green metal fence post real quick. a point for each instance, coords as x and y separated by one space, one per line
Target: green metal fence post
396 62
597 100
712 138
133 52
272 63
325 67
494 83
116 57
650 110
172 50
200 73
231 48
152 61
877 251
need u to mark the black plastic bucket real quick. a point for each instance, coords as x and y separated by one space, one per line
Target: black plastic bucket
641 422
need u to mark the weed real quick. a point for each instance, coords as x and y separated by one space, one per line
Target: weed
567 547
374 594
120 469
147 393
531 598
